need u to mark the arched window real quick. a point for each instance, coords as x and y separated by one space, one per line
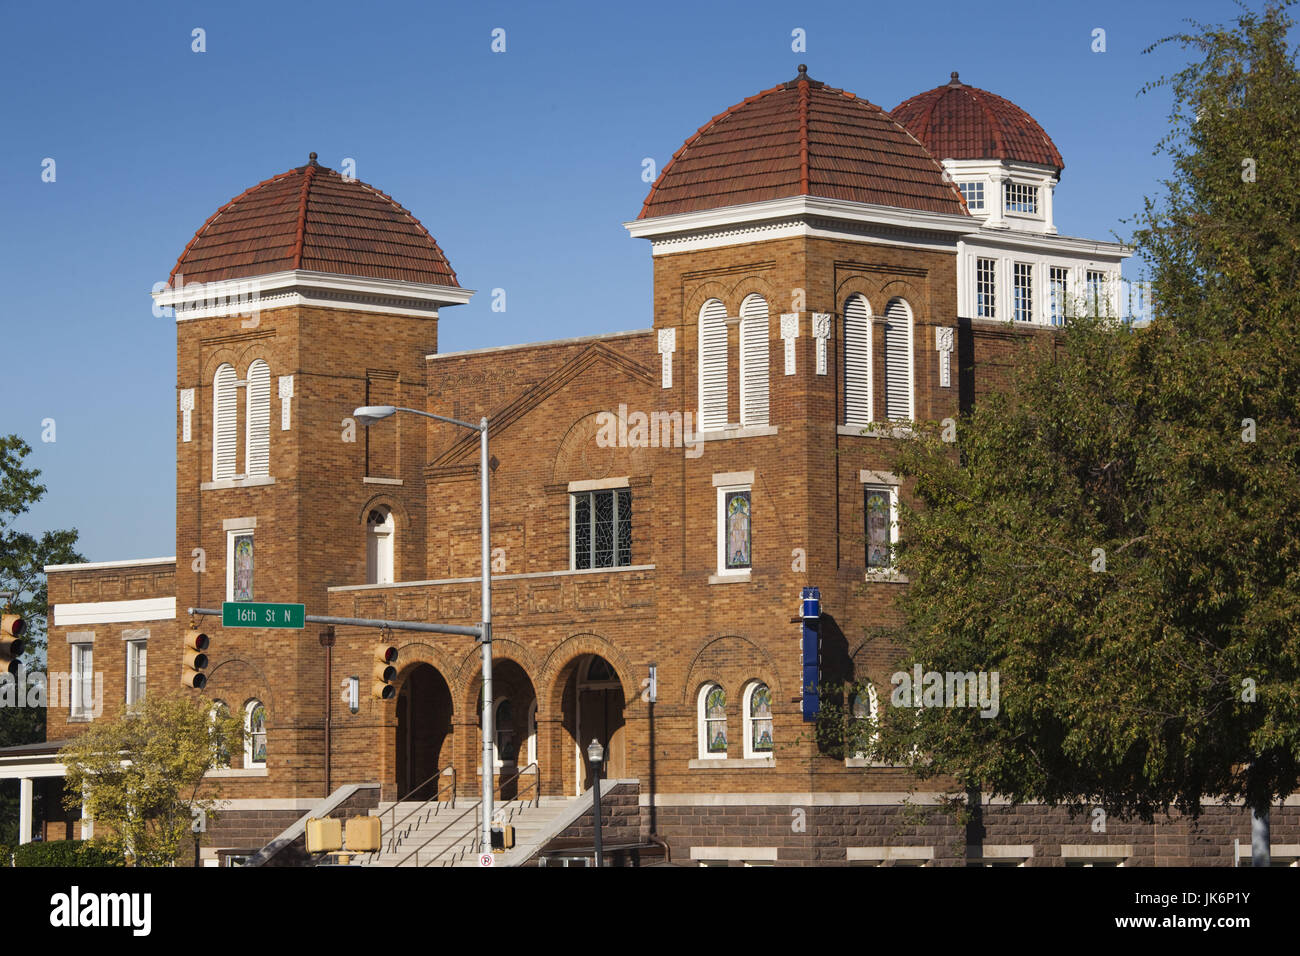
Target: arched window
898 361
380 546
223 423
857 361
864 707
507 739
254 734
755 332
220 711
713 722
713 366
758 720
257 438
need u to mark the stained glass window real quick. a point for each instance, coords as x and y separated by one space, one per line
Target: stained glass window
221 712
760 719
863 707
602 529
878 528
243 584
715 719
255 726
736 510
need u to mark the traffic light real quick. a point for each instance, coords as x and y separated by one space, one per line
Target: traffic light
11 644
196 661
385 673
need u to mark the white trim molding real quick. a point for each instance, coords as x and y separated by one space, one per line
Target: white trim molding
889 854
598 484
114 612
96 565
733 853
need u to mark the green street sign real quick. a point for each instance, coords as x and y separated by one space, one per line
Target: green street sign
248 614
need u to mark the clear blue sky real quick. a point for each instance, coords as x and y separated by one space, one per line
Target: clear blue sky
523 165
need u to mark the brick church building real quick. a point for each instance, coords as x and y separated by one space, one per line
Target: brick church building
824 272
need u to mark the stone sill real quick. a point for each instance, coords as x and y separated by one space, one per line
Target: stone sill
221 483
229 772
734 431
875 430
381 481
886 577
731 763
729 578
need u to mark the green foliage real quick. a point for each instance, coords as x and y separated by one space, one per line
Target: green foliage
141 773
76 853
1173 454
6 855
23 557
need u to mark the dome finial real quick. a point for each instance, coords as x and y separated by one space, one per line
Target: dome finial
311 159
954 81
803 71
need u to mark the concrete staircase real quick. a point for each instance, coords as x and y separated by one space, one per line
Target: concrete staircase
437 834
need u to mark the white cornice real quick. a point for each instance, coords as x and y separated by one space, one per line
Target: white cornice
298 287
797 215
96 565
1037 241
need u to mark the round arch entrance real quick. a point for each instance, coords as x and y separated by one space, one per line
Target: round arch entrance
424 710
593 709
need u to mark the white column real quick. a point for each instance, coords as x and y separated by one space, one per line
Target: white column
24 810
996 201
1046 192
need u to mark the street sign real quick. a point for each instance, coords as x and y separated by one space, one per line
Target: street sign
248 614
486 859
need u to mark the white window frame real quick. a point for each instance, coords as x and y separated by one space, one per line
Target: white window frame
861 758
723 491
701 733
215 709
228 423
911 358
1025 270
249 762
135 648
747 722
257 418
1058 293
231 534
83 681
882 481
990 302
717 320
532 732
976 186
1024 193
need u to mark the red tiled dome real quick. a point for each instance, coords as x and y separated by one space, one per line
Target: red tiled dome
956 121
801 138
311 218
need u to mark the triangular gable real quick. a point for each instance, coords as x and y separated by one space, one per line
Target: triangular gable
466 450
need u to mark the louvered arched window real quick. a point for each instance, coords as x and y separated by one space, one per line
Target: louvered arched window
857 361
898 361
223 423
755 332
257 446
713 366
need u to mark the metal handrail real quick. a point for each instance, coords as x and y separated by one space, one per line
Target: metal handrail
478 811
436 798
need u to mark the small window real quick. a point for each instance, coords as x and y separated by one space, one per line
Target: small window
257 421
857 361
864 707
713 722
974 195
1023 292
881 516
83 681
224 425
986 288
254 734
221 712
602 529
758 720
1021 198
239 565
137 659
507 742
1059 281
713 366
898 361
735 533
380 546
755 332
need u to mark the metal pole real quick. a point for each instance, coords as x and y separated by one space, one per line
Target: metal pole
488 783
596 799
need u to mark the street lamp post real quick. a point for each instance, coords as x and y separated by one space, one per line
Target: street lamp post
596 754
368 415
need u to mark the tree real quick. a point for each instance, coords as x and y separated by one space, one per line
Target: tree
140 773
23 557
1117 535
